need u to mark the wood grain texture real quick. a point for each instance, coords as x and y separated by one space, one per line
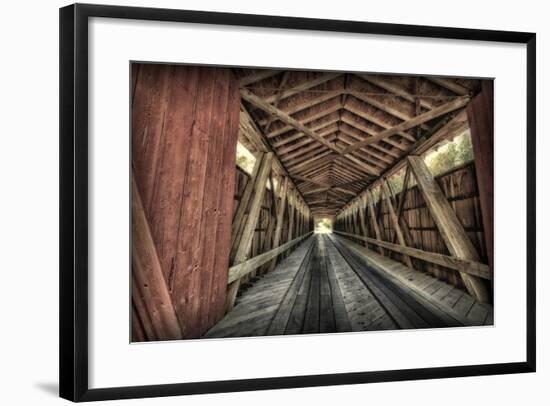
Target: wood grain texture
184 133
480 117
449 226
152 300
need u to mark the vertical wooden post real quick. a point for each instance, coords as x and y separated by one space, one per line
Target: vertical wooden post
449 226
363 223
480 118
395 222
403 194
374 221
243 246
268 240
291 216
239 219
280 219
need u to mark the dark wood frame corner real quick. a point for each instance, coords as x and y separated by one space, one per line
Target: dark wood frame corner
74 201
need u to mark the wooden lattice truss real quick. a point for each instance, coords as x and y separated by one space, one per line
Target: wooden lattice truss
336 133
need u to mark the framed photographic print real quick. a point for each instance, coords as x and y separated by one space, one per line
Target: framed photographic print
256 202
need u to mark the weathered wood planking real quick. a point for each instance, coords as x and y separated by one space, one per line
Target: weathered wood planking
240 270
254 311
184 132
460 264
438 294
152 302
480 116
244 241
449 225
460 189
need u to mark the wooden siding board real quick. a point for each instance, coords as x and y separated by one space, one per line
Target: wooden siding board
184 132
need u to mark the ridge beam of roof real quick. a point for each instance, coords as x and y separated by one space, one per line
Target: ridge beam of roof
256 77
413 122
269 108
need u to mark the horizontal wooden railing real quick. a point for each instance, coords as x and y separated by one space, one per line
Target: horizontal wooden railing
238 271
459 264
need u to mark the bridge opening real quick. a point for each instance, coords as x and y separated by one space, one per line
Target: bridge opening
323 225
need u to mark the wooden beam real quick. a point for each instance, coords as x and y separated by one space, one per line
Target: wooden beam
239 216
395 222
349 139
449 226
319 160
260 182
480 118
374 220
253 132
243 246
257 76
316 116
403 194
291 217
469 267
280 219
449 85
413 122
394 90
384 107
304 141
348 119
149 282
282 83
294 108
316 190
363 223
238 271
304 86
358 111
322 129
258 102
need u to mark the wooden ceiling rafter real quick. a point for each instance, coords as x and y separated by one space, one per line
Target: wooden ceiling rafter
413 122
282 83
450 85
258 76
395 90
355 109
304 86
334 107
303 142
335 134
384 107
259 102
298 135
371 133
293 109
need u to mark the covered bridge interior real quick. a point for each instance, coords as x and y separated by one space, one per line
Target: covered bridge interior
219 251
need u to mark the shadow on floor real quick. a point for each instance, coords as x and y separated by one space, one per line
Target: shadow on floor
51 388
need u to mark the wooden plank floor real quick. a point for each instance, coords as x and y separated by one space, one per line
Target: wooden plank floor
451 302
331 284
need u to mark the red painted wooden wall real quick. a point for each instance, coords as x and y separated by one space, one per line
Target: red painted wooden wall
184 134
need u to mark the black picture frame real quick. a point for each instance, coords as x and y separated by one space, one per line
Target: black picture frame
74 201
